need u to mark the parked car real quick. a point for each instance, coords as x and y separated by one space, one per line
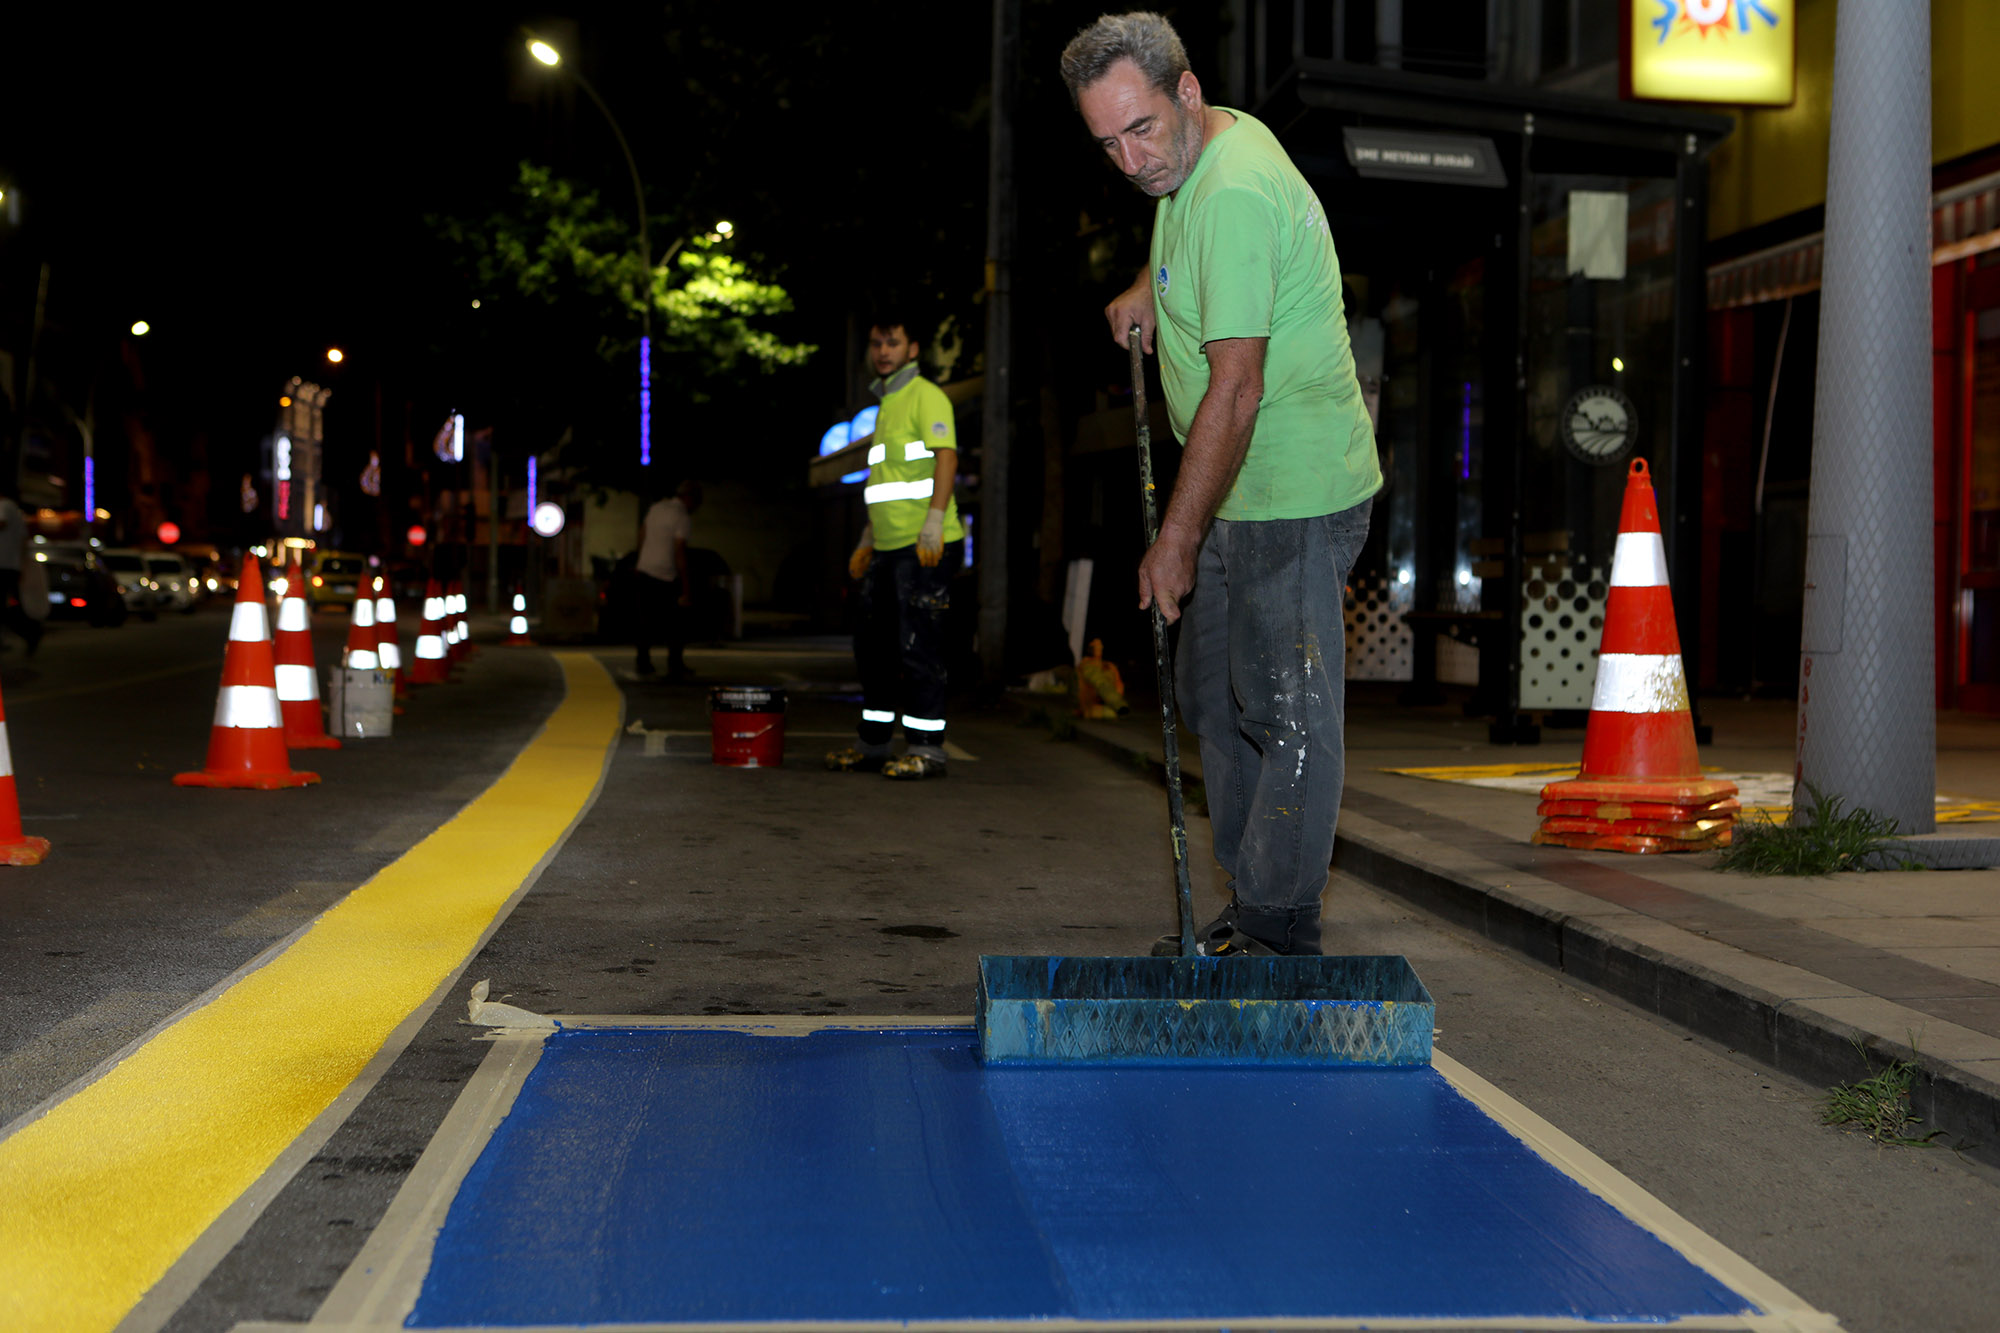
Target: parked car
134 584
173 580
80 587
332 577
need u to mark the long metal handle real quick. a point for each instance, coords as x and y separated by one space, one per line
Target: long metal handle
1176 811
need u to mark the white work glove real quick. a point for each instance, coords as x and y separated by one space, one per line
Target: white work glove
930 542
864 551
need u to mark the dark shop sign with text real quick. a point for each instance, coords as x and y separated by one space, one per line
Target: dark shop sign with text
1407 155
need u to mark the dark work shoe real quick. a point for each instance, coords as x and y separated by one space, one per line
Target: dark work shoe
914 767
857 759
1242 932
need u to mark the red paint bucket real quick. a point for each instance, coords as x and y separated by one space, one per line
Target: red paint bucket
747 726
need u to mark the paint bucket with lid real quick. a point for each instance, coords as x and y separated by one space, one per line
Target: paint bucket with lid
747 725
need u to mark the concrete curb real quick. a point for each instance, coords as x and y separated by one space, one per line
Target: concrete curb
1785 1021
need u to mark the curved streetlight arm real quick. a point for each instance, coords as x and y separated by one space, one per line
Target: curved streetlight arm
639 196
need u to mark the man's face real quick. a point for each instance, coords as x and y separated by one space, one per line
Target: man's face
1154 139
889 350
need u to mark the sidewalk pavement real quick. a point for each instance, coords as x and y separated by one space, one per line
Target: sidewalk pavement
1799 973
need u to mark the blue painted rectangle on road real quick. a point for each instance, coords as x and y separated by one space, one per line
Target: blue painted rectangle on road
677 1175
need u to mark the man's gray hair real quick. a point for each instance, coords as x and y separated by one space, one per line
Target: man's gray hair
1144 38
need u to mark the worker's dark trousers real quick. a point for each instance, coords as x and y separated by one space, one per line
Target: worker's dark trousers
659 616
899 647
1260 674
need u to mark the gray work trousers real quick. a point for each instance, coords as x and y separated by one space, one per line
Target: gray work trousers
1260 677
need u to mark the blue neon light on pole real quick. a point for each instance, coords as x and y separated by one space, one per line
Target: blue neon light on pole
89 490
532 486
645 401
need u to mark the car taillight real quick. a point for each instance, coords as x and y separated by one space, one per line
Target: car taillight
318 582
78 601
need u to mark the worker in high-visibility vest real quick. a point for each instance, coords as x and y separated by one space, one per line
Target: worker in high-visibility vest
905 560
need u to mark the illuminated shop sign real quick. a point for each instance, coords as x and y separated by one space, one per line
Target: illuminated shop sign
1732 52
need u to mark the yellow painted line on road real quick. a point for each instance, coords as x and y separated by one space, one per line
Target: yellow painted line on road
102 1194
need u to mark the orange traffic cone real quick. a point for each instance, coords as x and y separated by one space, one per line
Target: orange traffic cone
360 652
298 674
387 649
246 746
1640 788
16 847
428 666
459 642
517 623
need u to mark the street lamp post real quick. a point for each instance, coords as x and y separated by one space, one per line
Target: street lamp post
551 57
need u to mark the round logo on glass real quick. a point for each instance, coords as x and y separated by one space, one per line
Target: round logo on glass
1599 424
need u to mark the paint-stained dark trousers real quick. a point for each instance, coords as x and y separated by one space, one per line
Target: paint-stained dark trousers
1260 677
899 644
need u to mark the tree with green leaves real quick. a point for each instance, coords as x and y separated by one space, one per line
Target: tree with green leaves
552 345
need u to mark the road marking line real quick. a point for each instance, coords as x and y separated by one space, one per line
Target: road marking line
129 1172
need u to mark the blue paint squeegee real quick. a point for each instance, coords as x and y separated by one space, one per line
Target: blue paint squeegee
1193 1009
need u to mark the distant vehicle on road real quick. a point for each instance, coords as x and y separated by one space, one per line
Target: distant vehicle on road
173 581
334 576
134 584
80 587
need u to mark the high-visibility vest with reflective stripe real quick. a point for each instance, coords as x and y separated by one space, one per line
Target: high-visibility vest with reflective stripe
914 424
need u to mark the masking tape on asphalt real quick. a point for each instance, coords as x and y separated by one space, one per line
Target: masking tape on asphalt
109 1187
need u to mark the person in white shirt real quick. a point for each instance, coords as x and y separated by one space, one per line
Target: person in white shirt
663 586
13 544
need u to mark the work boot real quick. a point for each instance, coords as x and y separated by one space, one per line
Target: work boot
917 764
1243 932
858 759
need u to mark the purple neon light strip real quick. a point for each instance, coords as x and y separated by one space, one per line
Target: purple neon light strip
532 488
645 402
89 488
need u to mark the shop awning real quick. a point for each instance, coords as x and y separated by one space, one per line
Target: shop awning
1965 220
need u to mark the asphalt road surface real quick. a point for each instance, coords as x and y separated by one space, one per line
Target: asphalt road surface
692 889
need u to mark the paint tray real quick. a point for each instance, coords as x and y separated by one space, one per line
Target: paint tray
1169 1011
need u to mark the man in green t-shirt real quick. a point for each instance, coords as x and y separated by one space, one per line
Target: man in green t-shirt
1242 299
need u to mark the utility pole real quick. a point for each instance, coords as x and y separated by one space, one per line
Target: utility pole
996 422
1867 729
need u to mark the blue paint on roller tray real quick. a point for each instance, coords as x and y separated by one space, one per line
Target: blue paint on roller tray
687 1175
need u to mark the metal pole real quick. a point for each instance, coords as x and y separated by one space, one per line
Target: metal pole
645 266
1867 729
492 525
996 419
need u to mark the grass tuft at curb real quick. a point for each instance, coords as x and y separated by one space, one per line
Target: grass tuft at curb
1830 839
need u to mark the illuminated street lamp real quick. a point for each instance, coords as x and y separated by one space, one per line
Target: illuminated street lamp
140 328
551 57
335 355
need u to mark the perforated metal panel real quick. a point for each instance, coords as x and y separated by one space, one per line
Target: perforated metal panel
1562 622
1378 639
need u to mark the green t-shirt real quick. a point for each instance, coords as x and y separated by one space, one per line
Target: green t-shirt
1242 250
914 423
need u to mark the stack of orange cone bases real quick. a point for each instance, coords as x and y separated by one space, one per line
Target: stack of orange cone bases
246 744
1640 788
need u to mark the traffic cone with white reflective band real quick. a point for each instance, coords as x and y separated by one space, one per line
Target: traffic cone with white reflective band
297 672
1640 788
428 664
387 650
16 847
246 746
517 620
460 643
360 652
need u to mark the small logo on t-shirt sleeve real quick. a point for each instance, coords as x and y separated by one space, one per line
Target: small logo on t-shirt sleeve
938 428
1163 279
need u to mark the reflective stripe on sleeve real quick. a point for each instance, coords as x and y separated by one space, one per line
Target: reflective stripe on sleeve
247 706
877 715
1640 561
923 723
1640 683
248 623
884 491
296 684
915 450
877 453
